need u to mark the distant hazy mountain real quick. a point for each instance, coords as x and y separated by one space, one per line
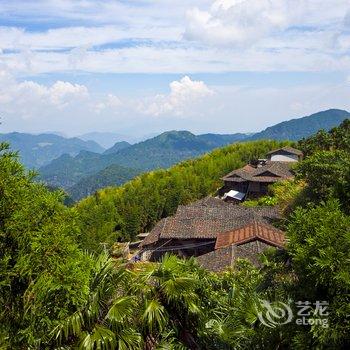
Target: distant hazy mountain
113 175
159 152
117 147
296 129
106 139
218 140
38 150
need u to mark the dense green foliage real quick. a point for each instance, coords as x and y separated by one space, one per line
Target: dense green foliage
319 246
113 175
38 150
135 207
337 138
171 305
55 296
296 129
44 275
328 176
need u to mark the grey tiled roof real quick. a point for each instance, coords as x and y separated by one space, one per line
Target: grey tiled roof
206 220
217 260
271 172
222 258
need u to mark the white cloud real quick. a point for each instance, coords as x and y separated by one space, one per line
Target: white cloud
62 93
27 99
157 37
190 104
110 102
244 23
14 38
183 97
145 59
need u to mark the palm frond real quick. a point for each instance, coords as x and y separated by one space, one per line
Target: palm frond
100 338
121 308
71 326
129 339
177 287
154 315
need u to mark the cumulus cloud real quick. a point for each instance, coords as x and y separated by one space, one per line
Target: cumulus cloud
31 100
28 98
110 102
184 95
246 22
236 21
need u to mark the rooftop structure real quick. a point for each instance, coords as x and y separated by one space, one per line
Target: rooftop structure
253 179
211 225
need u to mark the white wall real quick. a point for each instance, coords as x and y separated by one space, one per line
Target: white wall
284 157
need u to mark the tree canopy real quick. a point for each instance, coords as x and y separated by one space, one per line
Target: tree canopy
55 295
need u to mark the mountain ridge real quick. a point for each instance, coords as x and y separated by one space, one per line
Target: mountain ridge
39 150
117 147
161 151
298 128
86 168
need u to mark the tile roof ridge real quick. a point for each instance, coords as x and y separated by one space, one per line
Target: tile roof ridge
289 149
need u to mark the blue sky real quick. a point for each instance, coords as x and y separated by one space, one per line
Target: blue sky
140 67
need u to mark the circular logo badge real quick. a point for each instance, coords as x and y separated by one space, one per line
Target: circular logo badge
274 314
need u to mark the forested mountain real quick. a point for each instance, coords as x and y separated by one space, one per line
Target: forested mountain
38 150
159 152
113 175
55 295
117 147
296 129
67 170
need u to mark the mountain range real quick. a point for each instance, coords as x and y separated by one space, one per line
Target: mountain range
296 129
38 150
161 151
81 167
105 139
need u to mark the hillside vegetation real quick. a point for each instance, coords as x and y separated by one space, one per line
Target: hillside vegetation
125 211
113 175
